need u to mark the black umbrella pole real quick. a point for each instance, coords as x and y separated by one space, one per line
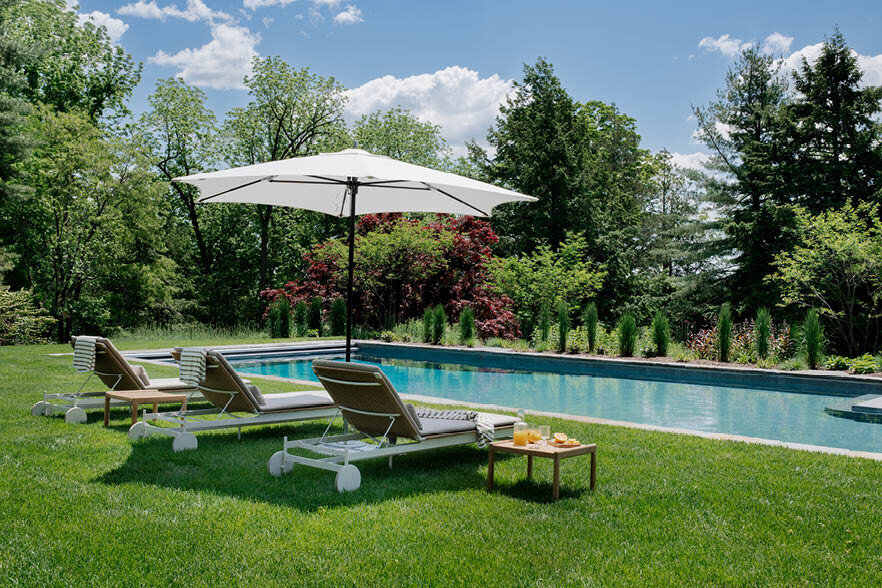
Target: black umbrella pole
353 190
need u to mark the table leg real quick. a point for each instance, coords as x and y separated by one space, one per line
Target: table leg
106 410
134 411
490 469
529 466
593 469
556 488
155 407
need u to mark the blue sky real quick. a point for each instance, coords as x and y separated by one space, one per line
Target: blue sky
452 61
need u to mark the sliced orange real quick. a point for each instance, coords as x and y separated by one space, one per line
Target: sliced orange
560 437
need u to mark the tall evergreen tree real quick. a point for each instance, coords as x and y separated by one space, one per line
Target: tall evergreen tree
833 132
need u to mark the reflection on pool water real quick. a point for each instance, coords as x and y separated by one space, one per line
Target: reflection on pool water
784 416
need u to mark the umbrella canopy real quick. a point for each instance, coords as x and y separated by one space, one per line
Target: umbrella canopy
351 183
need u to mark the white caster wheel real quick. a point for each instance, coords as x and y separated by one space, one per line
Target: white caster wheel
278 465
138 431
184 442
40 409
75 415
348 479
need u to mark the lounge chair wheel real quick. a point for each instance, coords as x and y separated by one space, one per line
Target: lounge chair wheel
184 442
40 409
278 465
348 479
138 431
75 415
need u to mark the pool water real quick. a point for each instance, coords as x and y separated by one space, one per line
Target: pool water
784 416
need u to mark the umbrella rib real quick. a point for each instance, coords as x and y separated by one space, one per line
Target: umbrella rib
460 200
245 185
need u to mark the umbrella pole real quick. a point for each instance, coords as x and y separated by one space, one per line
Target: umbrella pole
353 190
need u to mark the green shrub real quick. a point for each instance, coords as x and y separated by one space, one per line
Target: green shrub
724 332
280 318
315 315
814 338
338 317
22 321
661 333
544 322
563 325
589 319
762 332
467 326
428 321
439 325
865 364
837 362
301 310
627 329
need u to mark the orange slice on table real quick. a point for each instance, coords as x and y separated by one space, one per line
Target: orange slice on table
560 437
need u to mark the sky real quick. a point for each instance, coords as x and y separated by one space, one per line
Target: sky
452 62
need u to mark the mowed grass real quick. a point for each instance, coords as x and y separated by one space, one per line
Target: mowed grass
81 505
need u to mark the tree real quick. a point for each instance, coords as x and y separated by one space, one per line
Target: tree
399 134
836 267
741 130
292 113
71 65
539 142
182 135
91 224
833 132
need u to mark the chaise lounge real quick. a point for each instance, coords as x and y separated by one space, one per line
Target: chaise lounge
371 405
98 356
231 396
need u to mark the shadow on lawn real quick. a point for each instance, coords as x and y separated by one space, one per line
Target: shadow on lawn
226 466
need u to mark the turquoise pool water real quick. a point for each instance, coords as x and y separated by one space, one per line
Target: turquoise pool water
784 416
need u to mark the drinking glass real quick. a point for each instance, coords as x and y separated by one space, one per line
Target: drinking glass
533 434
545 432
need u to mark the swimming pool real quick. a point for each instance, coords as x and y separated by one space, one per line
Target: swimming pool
769 414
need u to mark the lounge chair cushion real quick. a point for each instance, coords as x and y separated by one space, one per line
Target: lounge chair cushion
142 375
441 426
295 400
167 384
255 391
413 414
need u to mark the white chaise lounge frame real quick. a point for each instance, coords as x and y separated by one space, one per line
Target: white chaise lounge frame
74 404
344 449
185 425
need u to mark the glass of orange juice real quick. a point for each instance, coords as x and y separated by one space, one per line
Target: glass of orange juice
521 433
533 434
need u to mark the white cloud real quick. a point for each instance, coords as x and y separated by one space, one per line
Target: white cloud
724 44
267 21
456 98
350 15
870 65
196 11
115 27
255 4
328 3
690 160
777 43
222 63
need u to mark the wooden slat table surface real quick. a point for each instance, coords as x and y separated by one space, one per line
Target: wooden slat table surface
138 397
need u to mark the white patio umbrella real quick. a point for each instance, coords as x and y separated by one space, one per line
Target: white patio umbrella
351 183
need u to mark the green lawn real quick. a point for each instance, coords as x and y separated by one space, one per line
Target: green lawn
81 505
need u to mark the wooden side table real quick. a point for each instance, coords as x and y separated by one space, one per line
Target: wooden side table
138 397
541 450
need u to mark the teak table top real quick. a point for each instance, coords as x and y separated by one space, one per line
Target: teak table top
543 450
145 396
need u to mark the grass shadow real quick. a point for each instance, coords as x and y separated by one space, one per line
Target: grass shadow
224 465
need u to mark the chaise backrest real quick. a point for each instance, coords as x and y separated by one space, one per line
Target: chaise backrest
112 368
365 388
221 380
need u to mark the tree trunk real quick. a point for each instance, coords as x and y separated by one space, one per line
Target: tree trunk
265 214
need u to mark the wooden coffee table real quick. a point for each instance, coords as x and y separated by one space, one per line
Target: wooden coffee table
540 450
138 397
